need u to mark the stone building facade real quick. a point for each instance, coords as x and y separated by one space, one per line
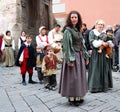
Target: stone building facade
25 15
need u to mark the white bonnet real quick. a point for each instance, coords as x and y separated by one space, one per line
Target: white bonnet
42 27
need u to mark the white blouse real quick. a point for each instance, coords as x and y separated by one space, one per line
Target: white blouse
3 43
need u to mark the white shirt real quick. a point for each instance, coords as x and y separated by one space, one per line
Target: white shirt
22 56
42 43
19 41
54 36
3 43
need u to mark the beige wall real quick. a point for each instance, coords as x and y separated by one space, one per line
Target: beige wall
92 10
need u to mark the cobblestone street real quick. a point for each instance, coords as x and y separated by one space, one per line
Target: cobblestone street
14 97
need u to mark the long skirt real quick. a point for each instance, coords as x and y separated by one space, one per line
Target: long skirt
9 56
99 72
73 82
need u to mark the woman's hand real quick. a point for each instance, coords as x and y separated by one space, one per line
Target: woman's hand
70 64
105 44
87 62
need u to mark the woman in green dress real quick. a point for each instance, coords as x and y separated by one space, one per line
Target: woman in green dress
73 83
99 73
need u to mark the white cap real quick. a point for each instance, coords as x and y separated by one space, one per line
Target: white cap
42 27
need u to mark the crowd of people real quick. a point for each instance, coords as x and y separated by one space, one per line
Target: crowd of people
76 48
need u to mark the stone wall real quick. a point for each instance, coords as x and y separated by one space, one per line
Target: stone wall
7 14
25 15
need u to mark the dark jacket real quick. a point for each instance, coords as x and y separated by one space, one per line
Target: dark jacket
31 62
117 36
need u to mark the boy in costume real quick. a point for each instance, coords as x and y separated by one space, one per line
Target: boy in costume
49 69
39 58
26 60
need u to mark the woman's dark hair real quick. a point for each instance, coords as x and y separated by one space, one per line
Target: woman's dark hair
7 32
69 23
22 32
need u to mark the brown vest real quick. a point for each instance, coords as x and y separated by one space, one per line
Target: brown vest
77 45
50 63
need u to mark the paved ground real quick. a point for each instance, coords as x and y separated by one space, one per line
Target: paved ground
15 97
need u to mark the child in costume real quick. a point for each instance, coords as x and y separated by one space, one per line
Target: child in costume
8 48
39 59
49 69
109 39
26 60
22 39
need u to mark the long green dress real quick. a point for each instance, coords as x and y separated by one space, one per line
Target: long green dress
73 82
99 73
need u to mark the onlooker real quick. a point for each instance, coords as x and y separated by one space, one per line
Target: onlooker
39 58
26 60
86 37
49 69
116 53
84 28
99 72
85 33
73 84
8 47
56 37
22 39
